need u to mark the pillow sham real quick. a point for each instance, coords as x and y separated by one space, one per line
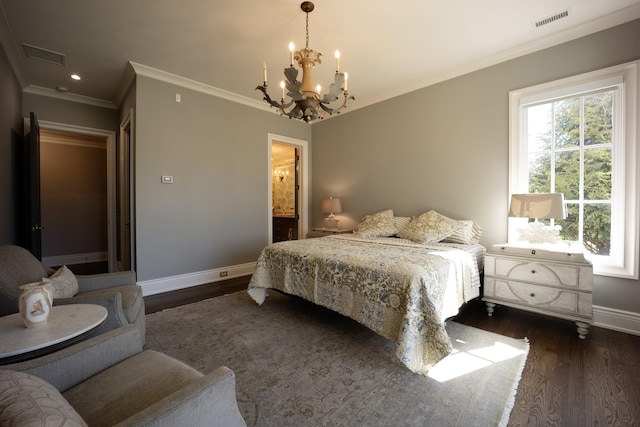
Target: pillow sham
377 225
63 283
468 234
430 227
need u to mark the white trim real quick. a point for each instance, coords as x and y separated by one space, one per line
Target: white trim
303 205
67 96
174 79
616 320
71 259
182 281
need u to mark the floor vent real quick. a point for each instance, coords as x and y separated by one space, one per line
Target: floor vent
551 19
43 54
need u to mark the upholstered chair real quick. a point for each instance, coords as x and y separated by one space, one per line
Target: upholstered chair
109 380
117 292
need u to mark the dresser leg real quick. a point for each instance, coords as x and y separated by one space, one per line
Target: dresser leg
583 329
490 307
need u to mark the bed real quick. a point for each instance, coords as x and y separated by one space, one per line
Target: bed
397 287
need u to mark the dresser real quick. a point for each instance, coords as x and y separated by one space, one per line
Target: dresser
556 281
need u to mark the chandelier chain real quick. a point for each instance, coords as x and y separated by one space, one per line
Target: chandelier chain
307 45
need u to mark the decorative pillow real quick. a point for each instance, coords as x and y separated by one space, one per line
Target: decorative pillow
401 222
468 234
63 282
377 225
26 400
430 227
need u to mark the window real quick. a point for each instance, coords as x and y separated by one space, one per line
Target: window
577 136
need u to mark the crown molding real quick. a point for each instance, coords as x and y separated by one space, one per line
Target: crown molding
66 96
154 73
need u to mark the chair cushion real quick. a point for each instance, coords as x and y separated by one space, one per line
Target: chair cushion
128 387
132 300
26 400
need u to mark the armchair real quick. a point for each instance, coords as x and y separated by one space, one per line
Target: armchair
109 380
117 292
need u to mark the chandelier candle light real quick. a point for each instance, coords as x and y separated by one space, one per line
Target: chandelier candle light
306 103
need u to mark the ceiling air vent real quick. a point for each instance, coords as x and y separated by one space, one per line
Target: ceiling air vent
551 19
43 54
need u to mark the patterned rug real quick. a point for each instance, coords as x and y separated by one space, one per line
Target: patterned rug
298 364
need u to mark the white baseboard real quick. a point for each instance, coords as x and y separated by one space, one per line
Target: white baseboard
71 259
174 283
617 320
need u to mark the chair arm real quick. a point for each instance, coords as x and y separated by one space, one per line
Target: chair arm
113 304
94 282
210 400
74 364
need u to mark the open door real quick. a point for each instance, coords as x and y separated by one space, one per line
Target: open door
29 219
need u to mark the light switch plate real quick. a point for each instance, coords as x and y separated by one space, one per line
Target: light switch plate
166 179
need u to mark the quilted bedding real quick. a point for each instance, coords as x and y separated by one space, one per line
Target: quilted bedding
401 290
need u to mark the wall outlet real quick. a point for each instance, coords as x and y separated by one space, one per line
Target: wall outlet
224 274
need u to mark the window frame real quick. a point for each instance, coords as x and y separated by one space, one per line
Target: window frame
625 160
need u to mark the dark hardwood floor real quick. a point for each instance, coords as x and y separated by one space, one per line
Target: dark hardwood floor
566 381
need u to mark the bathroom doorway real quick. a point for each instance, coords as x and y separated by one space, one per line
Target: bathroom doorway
288 189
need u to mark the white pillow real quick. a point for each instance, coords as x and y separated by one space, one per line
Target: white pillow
401 221
468 234
430 227
377 225
63 283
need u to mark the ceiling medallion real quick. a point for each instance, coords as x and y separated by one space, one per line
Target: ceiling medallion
306 103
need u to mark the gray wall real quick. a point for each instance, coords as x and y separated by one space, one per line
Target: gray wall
11 128
69 112
446 146
215 214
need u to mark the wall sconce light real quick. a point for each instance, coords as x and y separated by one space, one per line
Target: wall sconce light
280 174
331 206
538 206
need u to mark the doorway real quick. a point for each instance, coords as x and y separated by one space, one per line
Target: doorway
93 138
73 199
288 188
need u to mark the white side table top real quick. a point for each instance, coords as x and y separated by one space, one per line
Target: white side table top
65 322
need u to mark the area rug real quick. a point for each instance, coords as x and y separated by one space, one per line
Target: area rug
298 364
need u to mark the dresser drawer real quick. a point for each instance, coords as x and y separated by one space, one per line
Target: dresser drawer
547 273
541 297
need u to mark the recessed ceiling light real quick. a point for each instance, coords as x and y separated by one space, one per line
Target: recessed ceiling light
75 77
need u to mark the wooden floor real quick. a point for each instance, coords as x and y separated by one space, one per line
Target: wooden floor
566 381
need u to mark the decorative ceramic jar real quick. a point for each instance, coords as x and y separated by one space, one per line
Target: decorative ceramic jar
35 303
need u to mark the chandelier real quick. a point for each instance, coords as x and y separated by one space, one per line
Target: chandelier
306 103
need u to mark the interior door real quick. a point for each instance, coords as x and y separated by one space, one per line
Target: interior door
29 218
124 249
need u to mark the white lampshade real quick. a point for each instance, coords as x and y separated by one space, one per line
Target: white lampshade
537 205
331 206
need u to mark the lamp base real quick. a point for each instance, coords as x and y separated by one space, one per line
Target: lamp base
331 222
537 232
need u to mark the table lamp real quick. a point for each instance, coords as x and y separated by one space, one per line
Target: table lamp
331 206
538 206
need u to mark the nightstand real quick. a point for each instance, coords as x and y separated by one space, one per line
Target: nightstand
556 281
321 232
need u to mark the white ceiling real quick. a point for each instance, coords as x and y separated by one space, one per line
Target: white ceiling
387 47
